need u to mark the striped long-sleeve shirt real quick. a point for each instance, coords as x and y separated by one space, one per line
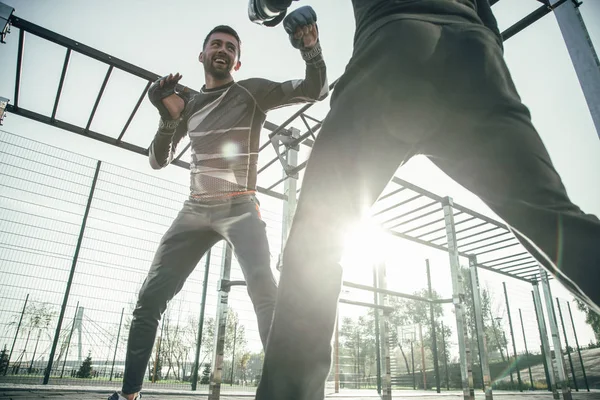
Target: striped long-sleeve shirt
224 126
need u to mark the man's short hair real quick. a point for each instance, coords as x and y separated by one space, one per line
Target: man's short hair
228 30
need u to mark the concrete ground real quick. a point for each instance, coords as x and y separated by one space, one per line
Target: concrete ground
16 392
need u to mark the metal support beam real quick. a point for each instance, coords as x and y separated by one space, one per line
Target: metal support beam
384 330
289 191
563 381
541 321
587 386
377 329
478 311
464 353
564 329
434 349
512 335
583 55
196 367
216 376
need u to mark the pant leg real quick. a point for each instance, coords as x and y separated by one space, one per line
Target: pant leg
244 229
179 251
369 131
495 152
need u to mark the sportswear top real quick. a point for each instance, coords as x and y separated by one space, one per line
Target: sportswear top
224 126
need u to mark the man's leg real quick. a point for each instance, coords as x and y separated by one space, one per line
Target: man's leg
246 232
495 152
179 251
357 151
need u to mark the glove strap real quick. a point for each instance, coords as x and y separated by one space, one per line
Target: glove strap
168 125
309 54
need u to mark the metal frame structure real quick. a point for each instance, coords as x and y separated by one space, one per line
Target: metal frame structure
405 210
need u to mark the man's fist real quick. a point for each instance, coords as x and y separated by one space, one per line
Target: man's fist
301 26
162 95
268 12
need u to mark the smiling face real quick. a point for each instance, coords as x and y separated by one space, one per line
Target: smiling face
220 55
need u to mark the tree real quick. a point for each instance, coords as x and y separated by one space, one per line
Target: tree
205 380
85 370
3 360
591 318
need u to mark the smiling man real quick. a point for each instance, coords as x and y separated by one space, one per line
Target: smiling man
223 123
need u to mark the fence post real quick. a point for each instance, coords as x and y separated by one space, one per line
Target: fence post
544 337
216 377
512 335
16 334
69 342
196 366
434 350
587 386
562 323
560 363
71 274
458 300
116 344
526 350
480 331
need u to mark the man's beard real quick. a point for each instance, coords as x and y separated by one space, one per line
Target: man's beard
218 73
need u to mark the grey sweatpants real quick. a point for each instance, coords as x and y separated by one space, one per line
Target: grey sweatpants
193 232
415 87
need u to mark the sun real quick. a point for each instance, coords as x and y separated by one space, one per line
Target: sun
366 244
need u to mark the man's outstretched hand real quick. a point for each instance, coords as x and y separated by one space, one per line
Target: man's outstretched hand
301 26
170 104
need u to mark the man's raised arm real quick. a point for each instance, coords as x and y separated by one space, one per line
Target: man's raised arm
170 105
301 27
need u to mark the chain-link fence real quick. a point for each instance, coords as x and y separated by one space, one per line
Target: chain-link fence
77 237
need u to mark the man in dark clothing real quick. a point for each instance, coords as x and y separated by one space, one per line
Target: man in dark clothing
223 122
426 77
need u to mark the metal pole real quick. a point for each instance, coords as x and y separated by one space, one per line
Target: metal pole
578 348
377 342
526 350
233 352
201 322
412 357
479 330
543 347
37 341
16 334
512 335
560 363
422 357
69 342
290 189
544 336
562 322
216 377
445 358
71 274
337 354
386 384
582 53
434 337
512 381
112 368
458 301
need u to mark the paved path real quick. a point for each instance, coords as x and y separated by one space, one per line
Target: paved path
70 393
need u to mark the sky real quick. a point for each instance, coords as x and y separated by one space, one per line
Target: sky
165 38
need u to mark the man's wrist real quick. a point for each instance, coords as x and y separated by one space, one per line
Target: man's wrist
168 126
311 53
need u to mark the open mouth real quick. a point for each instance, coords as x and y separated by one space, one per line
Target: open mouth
220 61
